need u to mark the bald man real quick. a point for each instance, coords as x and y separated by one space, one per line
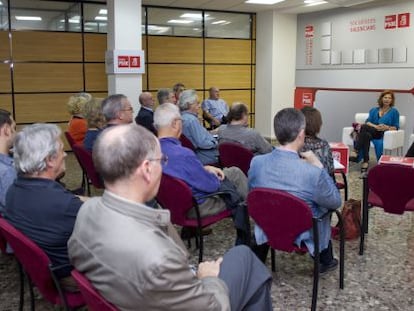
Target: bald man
145 115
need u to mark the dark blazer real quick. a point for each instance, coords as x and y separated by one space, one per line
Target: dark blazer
145 118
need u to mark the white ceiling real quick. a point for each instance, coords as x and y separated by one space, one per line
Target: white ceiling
287 6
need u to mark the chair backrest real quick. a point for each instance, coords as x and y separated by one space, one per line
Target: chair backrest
33 259
393 184
85 160
176 196
281 215
362 117
70 139
93 298
233 154
3 242
185 142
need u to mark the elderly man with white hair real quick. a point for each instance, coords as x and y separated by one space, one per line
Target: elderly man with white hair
203 141
36 204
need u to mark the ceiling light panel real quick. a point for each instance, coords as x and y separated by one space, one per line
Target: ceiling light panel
266 2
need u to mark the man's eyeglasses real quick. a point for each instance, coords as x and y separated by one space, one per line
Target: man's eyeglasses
163 160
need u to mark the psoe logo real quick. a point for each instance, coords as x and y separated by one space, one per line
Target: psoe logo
123 61
403 20
390 22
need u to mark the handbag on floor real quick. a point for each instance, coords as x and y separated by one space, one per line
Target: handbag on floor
351 215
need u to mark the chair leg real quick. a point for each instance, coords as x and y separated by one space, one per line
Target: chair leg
364 222
200 250
273 259
21 278
32 300
316 265
346 186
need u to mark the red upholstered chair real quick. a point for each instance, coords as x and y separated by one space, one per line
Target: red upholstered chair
233 154
85 159
283 217
390 187
176 196
71 143
185 142
3 242
38 269
94 300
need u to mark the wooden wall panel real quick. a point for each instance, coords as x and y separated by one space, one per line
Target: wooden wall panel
228 76
46 46
231 96
144 80
96 78
48 77
174 50
5 80
63 126
4 45
99 94
165 76
95 47
6 102
229 51
254 52
41 108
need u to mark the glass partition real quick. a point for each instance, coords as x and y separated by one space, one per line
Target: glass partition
227 25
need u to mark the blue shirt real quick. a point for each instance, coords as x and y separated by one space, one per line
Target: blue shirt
45 212
90 137
285 170
7 176
183 164
203 141
391 118
216 107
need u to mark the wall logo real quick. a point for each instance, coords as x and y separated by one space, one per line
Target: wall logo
401 20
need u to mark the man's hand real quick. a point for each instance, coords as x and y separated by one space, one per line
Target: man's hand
215 170
209 268
311 158
216 122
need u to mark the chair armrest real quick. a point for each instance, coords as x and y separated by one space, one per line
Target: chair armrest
394 139
346 136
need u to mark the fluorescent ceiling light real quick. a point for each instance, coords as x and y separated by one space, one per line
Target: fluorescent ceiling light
101 18
314 2
74 19
28 18
193 15
1 3
179 21
103 11
268 2
219 22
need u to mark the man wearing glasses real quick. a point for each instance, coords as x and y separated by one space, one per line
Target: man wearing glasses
117 109
133 255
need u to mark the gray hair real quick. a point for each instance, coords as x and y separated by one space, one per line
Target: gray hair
165 114
34 145
116 153
287 124
112 105
163 94
187 98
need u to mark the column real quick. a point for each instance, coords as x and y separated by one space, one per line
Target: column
124 32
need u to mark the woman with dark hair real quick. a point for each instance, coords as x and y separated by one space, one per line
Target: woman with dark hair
237 131
312 142
382 118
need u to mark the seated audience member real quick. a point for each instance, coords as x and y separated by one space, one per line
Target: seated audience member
145 115
96 121
214 108
185 165
320 147
117 109
305 178
203 141
7 170
36 204
237 131
166 96
132 254
77 124
178 88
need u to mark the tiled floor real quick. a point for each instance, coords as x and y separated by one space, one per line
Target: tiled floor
382 279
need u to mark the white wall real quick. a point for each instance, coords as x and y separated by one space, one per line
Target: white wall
275 63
